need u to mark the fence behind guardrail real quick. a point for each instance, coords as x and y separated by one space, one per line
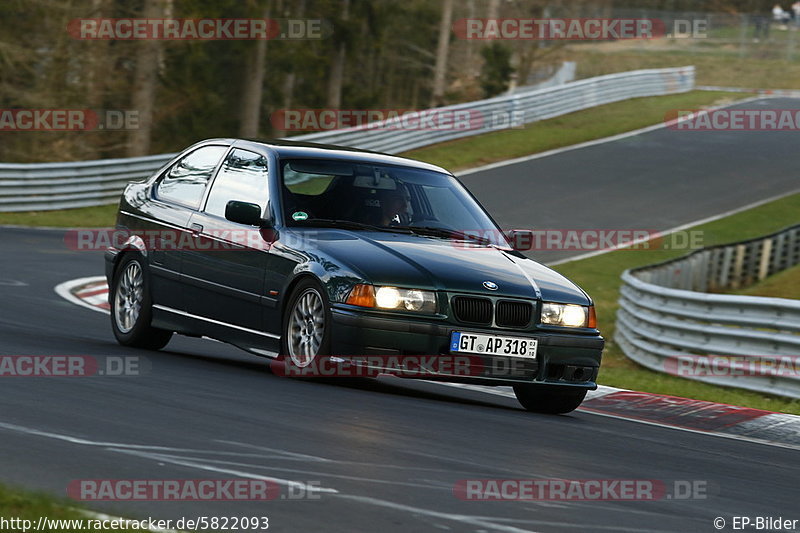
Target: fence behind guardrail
666 323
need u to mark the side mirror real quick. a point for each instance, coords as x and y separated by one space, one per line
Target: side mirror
243 213
520 239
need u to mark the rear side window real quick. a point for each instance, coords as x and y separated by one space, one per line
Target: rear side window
243 177
186 181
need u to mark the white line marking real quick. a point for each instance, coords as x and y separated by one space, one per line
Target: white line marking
132 449
319 474
65 291
594 142
12 283
227 471
789 93
468 519
700 432
281 452
677 228
654 515
609 390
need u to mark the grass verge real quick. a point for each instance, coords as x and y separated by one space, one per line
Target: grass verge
103 216
600 276
31 506
784 284
716 66
581 126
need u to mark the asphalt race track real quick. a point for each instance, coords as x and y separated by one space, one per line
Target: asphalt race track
386 455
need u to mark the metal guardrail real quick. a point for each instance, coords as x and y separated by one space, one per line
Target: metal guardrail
44 186
667 318
527 106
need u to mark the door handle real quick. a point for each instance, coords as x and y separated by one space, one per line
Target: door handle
196 228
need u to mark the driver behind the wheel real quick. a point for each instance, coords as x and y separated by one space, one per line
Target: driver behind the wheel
395 206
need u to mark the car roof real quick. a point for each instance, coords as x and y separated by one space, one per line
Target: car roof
299 149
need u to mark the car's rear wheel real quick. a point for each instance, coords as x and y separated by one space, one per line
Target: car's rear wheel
131 307
306 327
549 399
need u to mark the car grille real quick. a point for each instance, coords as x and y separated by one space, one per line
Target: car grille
479 311
472 310
513 314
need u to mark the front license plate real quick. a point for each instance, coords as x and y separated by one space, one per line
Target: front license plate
465 342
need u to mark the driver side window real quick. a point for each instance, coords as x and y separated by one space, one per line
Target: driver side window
243 177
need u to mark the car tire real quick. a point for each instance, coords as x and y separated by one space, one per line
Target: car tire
549 400
306 338
131 307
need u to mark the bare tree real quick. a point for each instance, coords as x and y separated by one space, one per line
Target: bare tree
440 70
494 9
253 86
97 61
145 80
336 77
289 81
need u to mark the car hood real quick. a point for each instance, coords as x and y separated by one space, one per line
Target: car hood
432 263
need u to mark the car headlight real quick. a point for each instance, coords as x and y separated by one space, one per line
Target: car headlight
568 315
393 298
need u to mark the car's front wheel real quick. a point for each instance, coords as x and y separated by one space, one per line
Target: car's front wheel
549 399
306 327
131 307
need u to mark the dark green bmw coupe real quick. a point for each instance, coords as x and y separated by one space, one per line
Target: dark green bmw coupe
332 260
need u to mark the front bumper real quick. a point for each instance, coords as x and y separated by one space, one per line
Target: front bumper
562 359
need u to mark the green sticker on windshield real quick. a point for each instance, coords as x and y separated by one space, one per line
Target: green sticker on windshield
300 215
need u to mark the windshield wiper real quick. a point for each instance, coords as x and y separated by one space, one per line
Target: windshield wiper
433 231
350 224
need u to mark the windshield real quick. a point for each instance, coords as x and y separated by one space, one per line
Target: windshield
383 198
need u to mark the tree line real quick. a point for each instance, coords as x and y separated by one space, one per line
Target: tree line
376 54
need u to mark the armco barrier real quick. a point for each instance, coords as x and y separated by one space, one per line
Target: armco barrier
665 315
43 186
528 106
